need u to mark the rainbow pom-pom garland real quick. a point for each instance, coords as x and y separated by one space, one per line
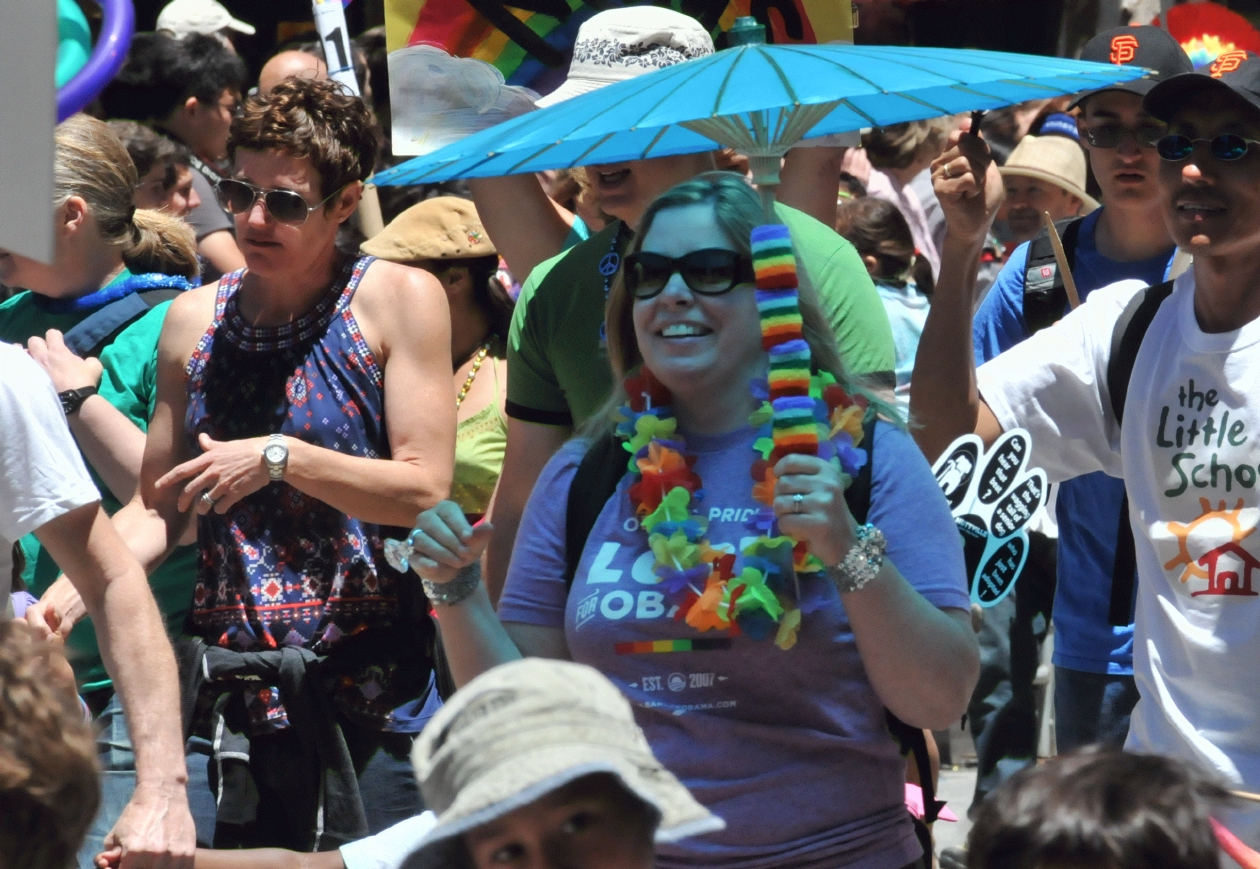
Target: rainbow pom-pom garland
751 592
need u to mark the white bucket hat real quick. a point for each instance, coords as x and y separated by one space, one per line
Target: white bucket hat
208 17
619 44
524 729
1056 160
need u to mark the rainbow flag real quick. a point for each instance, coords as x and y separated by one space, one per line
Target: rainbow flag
531 44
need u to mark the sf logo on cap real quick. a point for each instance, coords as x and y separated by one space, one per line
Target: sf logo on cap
1227 62
1123 48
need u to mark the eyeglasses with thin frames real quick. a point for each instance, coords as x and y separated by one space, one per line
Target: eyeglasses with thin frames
284 206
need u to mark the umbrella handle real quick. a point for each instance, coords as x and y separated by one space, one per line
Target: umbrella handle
976 117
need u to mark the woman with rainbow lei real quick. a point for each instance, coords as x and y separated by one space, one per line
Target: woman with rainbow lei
757 627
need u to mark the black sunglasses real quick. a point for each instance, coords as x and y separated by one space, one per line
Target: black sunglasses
1227 147
1111 135
285 206
709 272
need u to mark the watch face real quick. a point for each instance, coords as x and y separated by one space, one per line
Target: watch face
276 453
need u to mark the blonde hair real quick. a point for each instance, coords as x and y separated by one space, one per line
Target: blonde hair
898 146
92 163
737 208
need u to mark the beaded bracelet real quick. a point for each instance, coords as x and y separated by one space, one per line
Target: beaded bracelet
458 589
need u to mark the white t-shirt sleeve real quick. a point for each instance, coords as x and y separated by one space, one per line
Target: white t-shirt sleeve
1055 385
42 475
390 848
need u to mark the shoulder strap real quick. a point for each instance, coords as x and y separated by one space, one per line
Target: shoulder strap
1126 338
94 332
858 495
598 474
1045 298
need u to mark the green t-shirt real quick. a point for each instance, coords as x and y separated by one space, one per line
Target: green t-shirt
129 383
558 372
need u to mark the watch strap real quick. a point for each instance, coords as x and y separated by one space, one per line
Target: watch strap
72 399
275 470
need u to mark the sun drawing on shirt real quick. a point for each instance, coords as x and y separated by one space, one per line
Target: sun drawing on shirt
1209 548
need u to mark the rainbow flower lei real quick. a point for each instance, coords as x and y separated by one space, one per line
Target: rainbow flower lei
753 592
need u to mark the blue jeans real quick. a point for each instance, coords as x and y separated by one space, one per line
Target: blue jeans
1091 707
118 778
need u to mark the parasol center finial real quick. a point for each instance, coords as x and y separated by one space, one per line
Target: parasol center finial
746 31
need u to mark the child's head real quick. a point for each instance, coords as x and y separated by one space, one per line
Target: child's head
879 232
542 759
49 789
1099 809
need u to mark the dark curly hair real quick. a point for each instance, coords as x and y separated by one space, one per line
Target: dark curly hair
1099 808
314 119
49 790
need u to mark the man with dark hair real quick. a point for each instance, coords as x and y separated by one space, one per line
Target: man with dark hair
1153 386
1100 808
190 89
1094 689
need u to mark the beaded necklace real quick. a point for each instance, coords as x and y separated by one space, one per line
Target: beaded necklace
755 591
472 374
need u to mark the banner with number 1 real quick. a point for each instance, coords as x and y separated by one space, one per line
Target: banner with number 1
330 21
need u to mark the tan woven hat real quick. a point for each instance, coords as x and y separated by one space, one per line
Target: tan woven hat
444 227
524 729
1055 159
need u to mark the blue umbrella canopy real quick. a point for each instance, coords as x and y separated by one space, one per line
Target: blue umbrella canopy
759 99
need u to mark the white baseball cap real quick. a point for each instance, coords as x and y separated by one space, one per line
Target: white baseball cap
622 43
208 17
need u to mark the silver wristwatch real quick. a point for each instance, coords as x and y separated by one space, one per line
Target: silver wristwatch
862 562
275 457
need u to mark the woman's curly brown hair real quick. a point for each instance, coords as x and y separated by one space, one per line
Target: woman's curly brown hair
49 790
314 119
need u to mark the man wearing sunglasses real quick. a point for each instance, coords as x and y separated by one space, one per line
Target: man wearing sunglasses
1185 447
1094 690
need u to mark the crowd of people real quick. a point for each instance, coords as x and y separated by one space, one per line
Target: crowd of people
671 581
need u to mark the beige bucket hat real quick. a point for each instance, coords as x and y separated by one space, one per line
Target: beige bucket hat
1054 159
619 44
444 227
522 730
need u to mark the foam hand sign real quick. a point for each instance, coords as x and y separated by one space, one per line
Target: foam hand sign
993 496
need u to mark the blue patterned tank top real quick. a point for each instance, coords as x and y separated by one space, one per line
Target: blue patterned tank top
281 567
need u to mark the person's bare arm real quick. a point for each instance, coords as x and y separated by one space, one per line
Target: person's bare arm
404 313
267 858
524 224
220 248
530 446
944 400
156 828
810 181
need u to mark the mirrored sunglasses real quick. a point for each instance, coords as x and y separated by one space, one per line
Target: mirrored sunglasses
1227 147
284 206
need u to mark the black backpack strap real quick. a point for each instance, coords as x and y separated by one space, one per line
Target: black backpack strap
858 495
1045 298
94 332
1126 338
598 474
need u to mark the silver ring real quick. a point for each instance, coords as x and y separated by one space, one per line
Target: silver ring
796 502
206 500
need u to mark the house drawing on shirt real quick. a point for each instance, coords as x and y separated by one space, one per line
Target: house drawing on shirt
1229 568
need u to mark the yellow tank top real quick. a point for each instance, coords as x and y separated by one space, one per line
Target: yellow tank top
479 444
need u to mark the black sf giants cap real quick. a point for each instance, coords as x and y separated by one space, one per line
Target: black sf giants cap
1146 46
1235 71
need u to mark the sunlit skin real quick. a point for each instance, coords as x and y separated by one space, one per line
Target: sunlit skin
1128 173
1026 200
625 190
591 823
719 349
272 248
82 260
178 199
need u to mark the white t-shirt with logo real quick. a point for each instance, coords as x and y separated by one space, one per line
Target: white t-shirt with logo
42 475
1189 455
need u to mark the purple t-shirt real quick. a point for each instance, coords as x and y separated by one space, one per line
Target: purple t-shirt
789 747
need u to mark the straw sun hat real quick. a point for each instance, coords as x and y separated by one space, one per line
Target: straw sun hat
1056 160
